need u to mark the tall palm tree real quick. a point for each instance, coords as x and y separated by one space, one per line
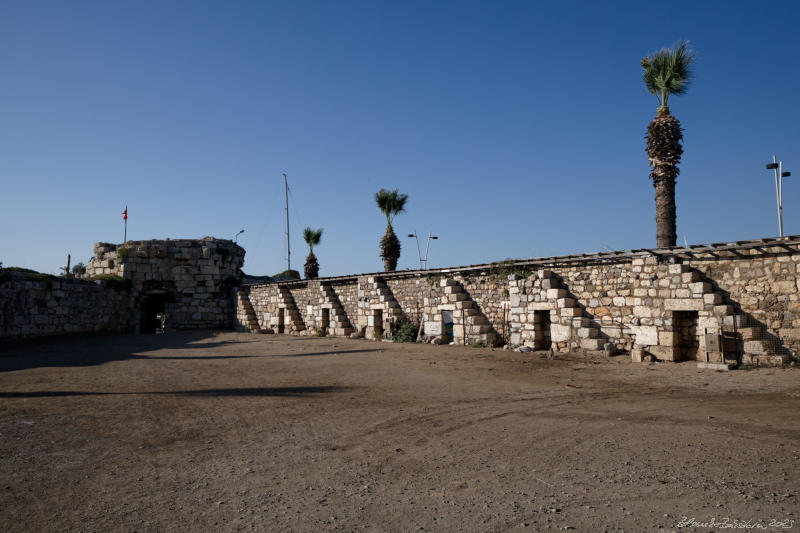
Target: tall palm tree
312 238
390 203
666 72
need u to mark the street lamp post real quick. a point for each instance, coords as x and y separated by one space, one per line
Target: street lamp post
235 237
777 166
427 249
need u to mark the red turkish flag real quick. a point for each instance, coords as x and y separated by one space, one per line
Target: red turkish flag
125 214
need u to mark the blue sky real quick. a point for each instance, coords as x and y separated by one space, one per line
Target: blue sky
516 128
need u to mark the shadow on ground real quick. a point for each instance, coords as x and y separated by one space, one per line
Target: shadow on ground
247 391
100 348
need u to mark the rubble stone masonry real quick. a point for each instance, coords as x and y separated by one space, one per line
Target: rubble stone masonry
659 303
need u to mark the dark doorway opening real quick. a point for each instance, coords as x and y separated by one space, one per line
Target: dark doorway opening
377 320
684 327
325 320
541 330
281 319
447 325
151 306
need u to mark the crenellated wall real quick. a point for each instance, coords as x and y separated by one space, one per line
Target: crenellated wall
658 303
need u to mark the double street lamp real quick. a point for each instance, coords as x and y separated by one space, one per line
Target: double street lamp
777 166
427 248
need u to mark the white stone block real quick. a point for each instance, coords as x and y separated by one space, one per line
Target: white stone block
683 304
554 294
645 335
559 333
433 327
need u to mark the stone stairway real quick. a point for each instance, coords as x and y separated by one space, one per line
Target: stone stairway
570 314
339 324
293 323
246 314
469 324
392 309
755 348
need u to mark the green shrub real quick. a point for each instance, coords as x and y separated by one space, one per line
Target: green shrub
405 330
20 269
115 282
287 275
123 252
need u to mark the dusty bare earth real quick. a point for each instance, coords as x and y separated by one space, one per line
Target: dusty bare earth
226 432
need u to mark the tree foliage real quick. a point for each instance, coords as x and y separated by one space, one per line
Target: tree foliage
312 237
390 203
668 71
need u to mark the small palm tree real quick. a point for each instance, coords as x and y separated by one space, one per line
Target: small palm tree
390 203
312 238
666 72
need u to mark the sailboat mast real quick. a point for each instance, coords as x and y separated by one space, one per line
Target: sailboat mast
286 197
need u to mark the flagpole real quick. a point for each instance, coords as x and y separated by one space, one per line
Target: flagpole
125 219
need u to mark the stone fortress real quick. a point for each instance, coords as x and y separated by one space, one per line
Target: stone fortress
722 303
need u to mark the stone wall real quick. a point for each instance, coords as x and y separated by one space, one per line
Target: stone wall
35 305
650 303
191 280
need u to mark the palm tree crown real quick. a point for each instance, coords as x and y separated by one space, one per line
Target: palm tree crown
667 72
390 203
312 237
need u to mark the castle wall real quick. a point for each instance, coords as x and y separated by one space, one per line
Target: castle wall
194 277
35 305
644 303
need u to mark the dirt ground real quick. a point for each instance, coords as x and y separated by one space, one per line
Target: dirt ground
208 431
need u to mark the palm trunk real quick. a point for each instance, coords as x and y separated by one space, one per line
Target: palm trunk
390 250
312 266
666 233
664 151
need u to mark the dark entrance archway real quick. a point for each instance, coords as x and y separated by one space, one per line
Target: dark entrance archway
149 308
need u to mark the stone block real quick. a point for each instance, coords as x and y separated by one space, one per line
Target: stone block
700 287
690 277
637 355
666 338
565 302
712 298
723 310
444 282
559 333
545 274
683 304
587 333
665 353
784 287
789 333
433 327
554 294
571 311
645 335
550 283
678 269
541 306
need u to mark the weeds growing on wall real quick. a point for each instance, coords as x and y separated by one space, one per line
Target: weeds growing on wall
123 252
115 282
405 330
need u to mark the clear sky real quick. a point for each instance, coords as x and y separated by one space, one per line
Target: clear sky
516 128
